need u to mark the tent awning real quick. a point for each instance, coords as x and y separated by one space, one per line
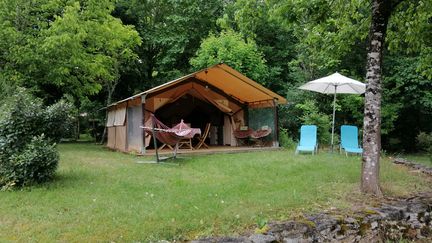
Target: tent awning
226 79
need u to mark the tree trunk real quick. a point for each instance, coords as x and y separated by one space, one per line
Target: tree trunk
108 102
381 10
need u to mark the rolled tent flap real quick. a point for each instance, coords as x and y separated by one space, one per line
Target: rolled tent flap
120 117
111 118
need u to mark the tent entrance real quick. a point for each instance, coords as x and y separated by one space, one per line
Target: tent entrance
195 112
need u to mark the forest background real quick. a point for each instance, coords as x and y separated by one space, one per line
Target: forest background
93 52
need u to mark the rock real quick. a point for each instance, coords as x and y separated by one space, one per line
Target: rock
323 221
297 240
391 212
290 229
374 225
399 219
260 238
350 220
223 240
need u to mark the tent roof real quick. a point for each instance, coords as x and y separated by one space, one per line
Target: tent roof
225 78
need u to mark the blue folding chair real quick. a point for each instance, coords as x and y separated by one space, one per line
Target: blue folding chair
349 140
308 139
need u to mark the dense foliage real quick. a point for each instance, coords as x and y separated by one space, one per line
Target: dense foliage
425 143
28 135
312 116
230 48
95 52
63 47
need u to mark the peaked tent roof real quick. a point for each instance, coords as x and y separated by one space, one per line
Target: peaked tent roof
225 78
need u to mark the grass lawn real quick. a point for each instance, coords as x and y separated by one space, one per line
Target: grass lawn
101 195
419 158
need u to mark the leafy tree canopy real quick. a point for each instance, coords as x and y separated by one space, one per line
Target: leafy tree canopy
229 47
171 31
63 47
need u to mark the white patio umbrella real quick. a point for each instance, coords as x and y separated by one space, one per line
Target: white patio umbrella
334 84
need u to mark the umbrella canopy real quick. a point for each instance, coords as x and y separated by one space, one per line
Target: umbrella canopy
334 84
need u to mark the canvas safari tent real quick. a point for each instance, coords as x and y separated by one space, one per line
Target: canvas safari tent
218 95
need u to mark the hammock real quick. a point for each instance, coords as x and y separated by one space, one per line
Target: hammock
261 133
167 135
243 133
249 133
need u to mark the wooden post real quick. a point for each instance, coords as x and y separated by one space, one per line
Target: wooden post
143 133
155 142
276 123
175 150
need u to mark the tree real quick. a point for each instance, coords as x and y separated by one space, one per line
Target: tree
64 47
407 95
229 47
381 10
332 35
98 45
254 20
171 31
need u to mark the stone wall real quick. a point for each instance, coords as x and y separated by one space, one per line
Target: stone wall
408 219
404 219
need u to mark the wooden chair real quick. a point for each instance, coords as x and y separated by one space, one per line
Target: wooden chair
187 142
165 145
203 137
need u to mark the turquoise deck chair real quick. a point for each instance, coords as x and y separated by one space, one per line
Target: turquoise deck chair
349 140
308 139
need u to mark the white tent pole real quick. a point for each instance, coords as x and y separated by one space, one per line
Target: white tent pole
333 122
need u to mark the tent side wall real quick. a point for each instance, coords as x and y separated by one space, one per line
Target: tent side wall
111 128
111 137
121 142
134 132
265 117
116 127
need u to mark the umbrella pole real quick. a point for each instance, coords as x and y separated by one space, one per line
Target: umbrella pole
333 122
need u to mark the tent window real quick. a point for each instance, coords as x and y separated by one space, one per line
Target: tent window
111 117
120 117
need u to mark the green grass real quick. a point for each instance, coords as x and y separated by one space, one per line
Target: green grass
425 159
101 195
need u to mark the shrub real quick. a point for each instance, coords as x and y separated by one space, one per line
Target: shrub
285 140
21 119
36 163
28 132
59 121
424 142
312 116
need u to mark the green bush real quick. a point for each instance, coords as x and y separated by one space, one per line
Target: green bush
36 163
312 116
285 140
28 134
59 121
424 142
20 120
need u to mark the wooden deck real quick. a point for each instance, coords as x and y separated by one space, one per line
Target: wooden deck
211 150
